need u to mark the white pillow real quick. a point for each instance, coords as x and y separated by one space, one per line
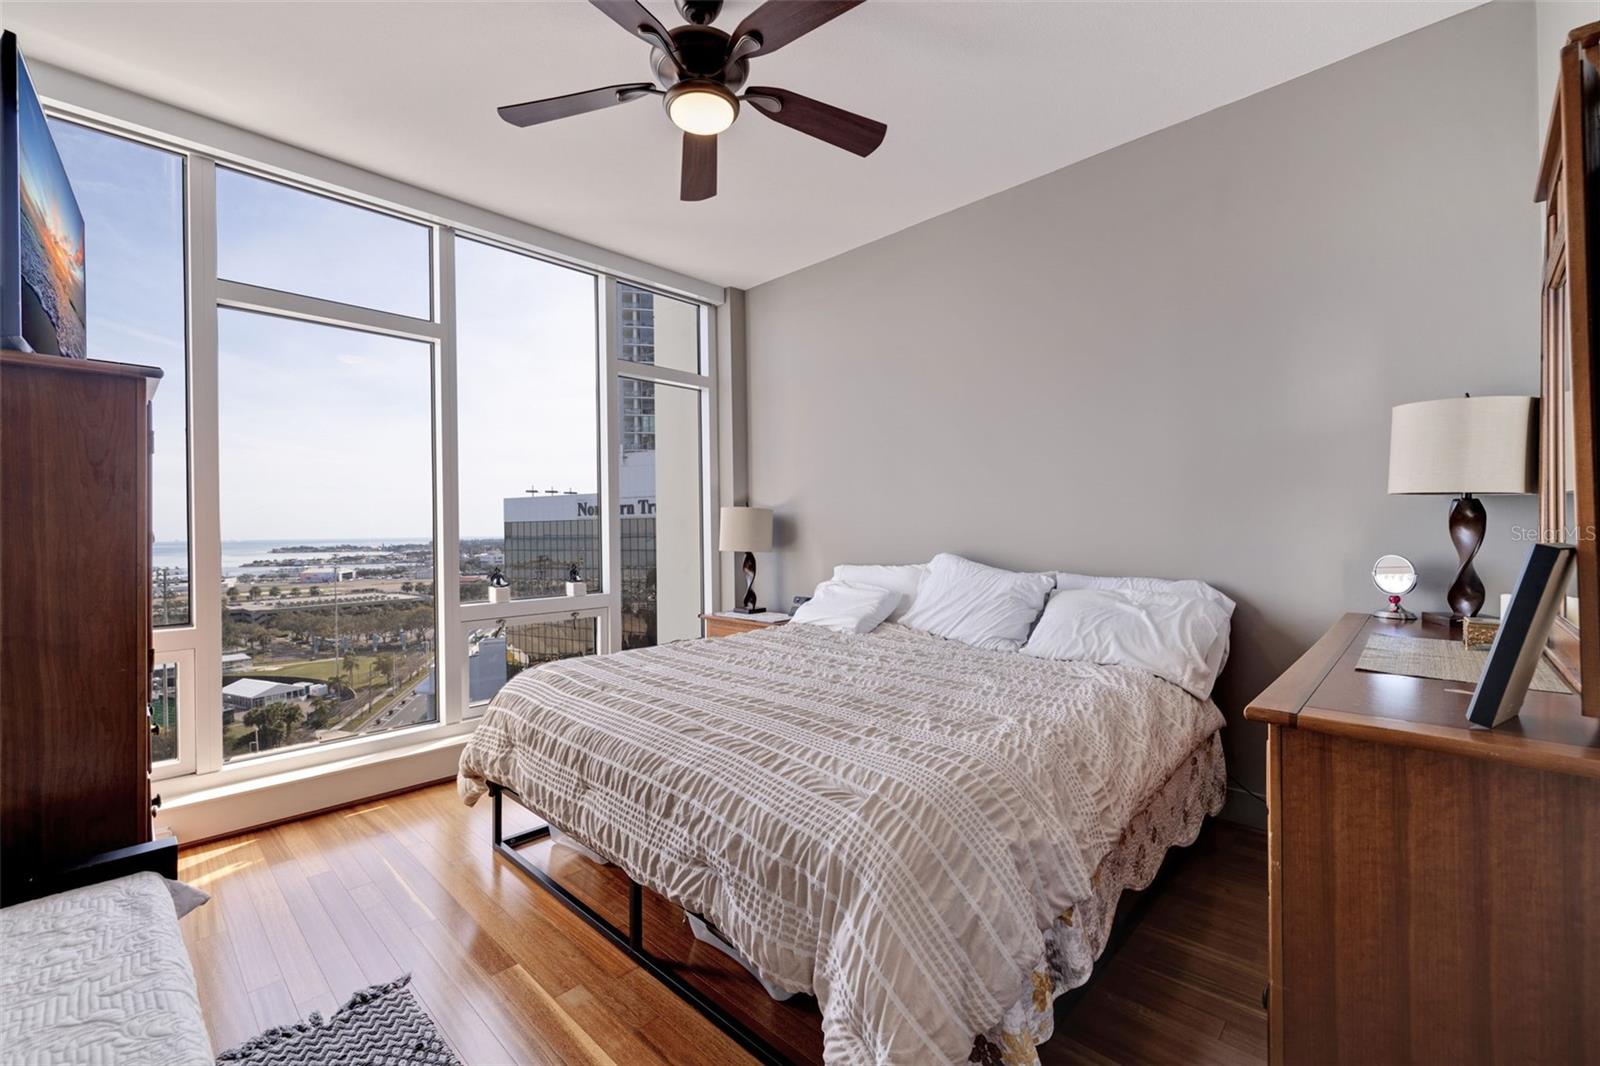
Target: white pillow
1217 654
976 604
1161 632
900 579
845 607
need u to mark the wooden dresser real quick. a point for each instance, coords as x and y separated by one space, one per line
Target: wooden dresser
1435 889
74 612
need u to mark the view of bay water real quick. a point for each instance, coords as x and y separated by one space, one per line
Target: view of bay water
237 555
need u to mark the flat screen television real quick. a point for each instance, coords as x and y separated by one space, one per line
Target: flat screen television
42 305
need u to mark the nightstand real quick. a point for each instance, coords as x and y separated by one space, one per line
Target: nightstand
730 623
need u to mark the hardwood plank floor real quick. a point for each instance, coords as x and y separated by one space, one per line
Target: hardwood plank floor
306 913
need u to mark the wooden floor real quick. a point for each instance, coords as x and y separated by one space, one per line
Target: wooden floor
303 914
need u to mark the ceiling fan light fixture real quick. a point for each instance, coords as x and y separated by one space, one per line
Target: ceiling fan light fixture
700 70
703 108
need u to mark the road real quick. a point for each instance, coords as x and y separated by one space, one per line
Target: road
409 709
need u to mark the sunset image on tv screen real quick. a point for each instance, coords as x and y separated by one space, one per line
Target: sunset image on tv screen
52 238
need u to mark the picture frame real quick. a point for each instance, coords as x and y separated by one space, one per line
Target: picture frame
1520 642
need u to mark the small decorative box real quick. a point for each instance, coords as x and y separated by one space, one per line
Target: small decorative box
1479 632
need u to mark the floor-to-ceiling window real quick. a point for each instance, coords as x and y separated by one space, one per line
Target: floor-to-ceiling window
325 472
132 198
395 463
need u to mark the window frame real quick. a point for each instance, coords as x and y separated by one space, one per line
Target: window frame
197 646
183 659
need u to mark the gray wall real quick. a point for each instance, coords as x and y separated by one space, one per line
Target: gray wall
1177 358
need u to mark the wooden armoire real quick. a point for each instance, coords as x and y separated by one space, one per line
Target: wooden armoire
1569 454
74 612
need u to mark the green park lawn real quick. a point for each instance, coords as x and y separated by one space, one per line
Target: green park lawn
320 669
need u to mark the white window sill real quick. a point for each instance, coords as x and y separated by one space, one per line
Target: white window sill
201 808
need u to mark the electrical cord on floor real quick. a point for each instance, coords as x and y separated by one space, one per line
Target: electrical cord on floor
1253 795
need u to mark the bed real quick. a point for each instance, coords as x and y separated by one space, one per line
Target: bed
928 837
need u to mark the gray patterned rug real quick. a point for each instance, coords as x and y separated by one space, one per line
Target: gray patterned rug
380 1026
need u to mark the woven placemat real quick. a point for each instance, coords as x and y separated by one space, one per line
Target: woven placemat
1445 660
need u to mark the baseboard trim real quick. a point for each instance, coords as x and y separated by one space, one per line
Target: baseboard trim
1244 809
247 806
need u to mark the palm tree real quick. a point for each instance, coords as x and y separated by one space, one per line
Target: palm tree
322 708
255 592
290 716
275 722
384 664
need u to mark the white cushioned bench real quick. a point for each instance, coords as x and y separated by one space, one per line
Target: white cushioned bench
98 976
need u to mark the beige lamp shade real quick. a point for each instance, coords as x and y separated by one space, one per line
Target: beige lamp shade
745 529
1475 444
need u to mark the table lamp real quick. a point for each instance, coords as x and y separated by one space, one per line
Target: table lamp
748 530
1466 447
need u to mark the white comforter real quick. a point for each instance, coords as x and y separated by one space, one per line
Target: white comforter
889 821
99 976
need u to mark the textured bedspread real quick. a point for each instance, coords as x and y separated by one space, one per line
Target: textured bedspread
99 975
891 822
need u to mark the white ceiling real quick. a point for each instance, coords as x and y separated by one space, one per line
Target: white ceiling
978 97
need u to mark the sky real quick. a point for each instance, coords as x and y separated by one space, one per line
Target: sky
131 196
327 433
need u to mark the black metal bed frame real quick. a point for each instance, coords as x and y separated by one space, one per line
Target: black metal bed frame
1130 910
630 941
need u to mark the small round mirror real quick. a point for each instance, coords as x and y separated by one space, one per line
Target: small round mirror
1394 575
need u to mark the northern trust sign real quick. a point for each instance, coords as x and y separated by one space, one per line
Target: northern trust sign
637 498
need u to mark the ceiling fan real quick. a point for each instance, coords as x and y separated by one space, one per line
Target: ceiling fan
699 71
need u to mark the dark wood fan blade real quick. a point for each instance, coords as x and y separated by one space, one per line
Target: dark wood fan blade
841 128
536 111
779 22
699 168
637 20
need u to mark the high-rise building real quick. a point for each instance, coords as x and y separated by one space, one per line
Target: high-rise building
637 344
